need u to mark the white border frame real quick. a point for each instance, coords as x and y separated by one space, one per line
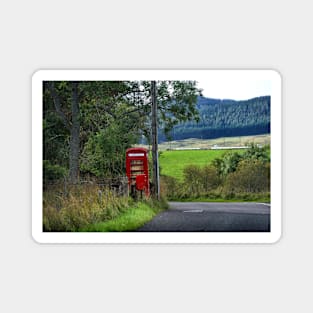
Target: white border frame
155 237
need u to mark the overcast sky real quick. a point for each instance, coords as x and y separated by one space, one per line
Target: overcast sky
237 88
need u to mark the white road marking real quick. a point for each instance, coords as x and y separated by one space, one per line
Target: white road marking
267 204
193 211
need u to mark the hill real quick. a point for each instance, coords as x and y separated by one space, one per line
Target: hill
225 118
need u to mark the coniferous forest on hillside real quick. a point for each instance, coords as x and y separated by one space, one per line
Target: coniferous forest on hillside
224 118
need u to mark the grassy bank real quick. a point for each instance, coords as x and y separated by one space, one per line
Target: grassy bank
130 220
259 197
79 208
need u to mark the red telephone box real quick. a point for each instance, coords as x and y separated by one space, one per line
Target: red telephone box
137 170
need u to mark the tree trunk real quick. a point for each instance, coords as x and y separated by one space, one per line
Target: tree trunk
74 140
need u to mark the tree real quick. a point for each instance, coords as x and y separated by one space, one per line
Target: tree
176 102
103 154
72 96
72 125
79 114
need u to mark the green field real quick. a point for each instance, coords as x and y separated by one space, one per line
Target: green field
172 163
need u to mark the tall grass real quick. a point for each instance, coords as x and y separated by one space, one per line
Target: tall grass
79 206
90 208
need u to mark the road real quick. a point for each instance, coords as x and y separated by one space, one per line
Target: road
211 217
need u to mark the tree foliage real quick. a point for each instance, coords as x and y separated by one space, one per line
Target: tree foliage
72 104
104 152
87 125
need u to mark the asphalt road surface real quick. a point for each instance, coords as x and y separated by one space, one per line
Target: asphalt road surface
211 217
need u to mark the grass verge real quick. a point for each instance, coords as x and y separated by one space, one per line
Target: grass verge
130 220
263 200
244 197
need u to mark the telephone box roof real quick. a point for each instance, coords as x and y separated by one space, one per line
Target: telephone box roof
138 149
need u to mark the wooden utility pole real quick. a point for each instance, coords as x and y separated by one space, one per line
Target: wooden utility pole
155 160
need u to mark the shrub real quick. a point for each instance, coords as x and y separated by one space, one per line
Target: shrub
193 180
169 186
258 153
227 164
209 178
251 176
198 182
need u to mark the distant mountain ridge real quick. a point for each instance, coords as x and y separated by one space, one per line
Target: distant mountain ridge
225 118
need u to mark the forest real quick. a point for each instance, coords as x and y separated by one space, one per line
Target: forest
224 118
